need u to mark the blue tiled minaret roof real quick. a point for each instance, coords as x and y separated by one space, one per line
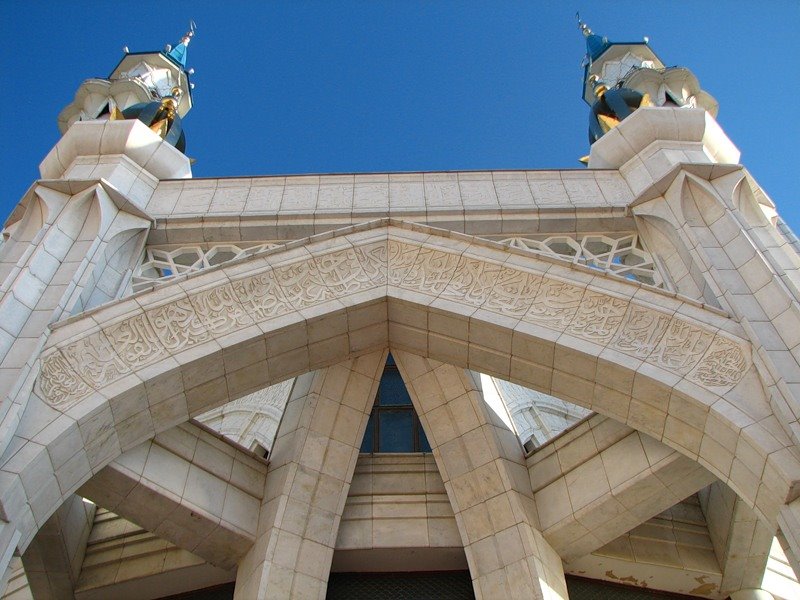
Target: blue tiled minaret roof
178 53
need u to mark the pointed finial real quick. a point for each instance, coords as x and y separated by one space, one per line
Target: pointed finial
178 53
583 26
189 34
595 44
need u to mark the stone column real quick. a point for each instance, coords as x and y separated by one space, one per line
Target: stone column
483 468
741 542
311 467
54 558
69 245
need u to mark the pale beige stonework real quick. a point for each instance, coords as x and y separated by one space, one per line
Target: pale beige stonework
312 465
601 479
397 501
484 474
190 488
695 381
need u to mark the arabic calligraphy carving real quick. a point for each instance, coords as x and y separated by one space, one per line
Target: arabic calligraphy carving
99 358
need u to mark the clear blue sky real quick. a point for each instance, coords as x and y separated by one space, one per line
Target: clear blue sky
299 87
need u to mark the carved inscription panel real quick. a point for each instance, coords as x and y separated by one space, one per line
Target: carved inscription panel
73 370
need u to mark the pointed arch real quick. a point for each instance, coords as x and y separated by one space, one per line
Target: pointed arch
112 270
751 209
24 222
682 270
700 206
668 367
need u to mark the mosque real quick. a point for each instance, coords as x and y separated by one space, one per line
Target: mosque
542 384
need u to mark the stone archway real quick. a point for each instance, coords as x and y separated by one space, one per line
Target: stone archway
666 366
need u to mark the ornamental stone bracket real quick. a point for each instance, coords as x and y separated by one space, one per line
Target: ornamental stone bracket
126 153
120 199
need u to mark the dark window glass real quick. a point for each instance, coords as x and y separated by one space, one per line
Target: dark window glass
366 445
449 585
392 391
424 446
393 425
396 431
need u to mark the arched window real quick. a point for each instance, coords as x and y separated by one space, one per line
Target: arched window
393 425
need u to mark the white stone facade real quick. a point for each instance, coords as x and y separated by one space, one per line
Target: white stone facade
160 334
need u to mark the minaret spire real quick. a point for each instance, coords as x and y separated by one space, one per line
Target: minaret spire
595 44
618 78
151 86
178 53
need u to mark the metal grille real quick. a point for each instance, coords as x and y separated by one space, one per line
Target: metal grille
219 592
589 589
451 585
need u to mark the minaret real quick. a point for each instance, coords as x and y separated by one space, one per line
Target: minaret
717 239
78 233
618 78
73 242
139 78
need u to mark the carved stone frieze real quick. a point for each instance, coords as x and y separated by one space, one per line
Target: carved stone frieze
261 296
220 310
93 357
178 325
598 317
302 283
723 362
514 192
431 272
682 347
473 281
59 383
135 341
513 292
343 273
641 331
99 358
373 259
555 304
401 258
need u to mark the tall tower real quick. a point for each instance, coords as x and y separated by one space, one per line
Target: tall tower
718 239
83 224
140 77
618 78
78 233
